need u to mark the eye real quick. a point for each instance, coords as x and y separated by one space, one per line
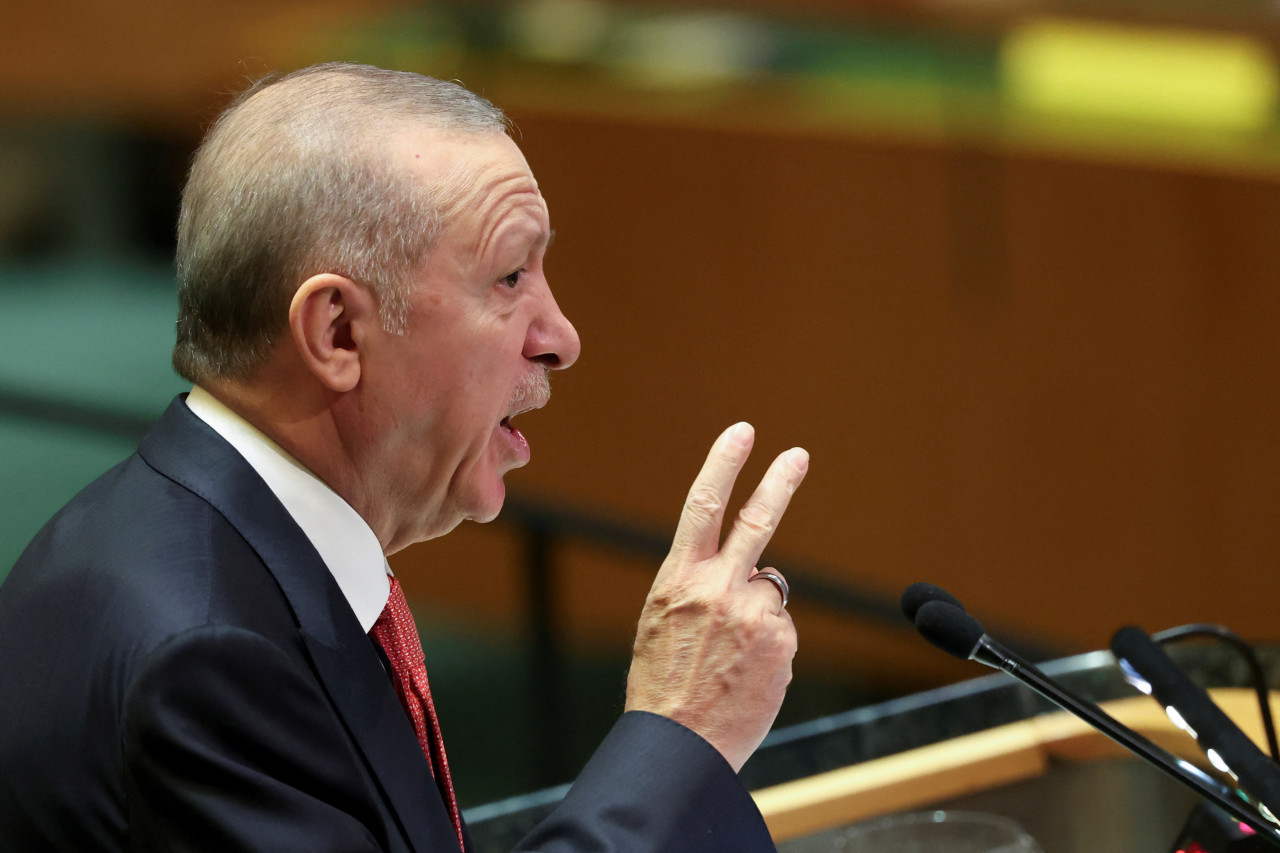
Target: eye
512 279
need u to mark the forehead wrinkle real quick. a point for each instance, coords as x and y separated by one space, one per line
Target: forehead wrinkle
460 190
507 203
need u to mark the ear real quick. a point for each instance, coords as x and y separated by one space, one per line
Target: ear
329 318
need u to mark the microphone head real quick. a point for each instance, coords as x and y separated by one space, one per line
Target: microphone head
949 628
1131 640
918 594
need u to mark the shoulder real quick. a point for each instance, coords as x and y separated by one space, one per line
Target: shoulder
134 559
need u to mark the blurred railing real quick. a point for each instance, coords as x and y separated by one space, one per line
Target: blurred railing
544 526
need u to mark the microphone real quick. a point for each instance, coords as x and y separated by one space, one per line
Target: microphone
1227 748
957 633
918 594
1259 676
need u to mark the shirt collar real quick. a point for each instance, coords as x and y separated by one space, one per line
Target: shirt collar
343 539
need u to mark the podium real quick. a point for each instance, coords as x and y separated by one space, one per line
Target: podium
992 771
988 744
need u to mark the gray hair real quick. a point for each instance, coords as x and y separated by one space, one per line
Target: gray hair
292 181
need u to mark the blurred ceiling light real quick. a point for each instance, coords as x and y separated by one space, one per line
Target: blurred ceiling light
680 50
560 30
1194 79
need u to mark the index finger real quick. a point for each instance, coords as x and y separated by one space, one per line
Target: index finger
698 533
759 516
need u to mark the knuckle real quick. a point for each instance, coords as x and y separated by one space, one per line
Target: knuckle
787 645
756 518
703 503
677 603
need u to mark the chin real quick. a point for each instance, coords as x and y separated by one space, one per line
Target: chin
488 505
484 517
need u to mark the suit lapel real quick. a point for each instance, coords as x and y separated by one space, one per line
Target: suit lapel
379 724
185 449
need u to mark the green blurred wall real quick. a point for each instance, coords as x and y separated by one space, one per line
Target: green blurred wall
83 343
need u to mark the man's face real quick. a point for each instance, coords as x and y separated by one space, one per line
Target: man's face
483 332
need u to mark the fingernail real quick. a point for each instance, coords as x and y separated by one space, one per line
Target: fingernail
799 459
740 433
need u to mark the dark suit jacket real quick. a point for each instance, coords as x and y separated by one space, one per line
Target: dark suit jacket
179 671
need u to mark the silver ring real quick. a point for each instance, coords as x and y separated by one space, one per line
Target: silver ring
777 581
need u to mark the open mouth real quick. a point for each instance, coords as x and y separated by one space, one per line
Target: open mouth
518 443
505 423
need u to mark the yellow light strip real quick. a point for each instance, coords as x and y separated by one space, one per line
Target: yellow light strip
1194 79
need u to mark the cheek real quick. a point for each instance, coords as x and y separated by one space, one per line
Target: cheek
467 418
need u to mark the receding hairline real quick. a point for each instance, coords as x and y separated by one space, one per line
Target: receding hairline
457 179
382 129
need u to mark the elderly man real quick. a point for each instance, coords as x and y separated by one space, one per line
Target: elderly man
205 650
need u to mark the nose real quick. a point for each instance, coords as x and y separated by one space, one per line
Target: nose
552 340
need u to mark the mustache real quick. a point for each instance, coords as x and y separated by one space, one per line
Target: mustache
533 390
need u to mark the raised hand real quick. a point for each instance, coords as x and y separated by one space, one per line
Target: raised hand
713 651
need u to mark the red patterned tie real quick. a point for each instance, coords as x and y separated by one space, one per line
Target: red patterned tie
398 636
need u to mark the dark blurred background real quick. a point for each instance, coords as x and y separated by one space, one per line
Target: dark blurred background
1009 269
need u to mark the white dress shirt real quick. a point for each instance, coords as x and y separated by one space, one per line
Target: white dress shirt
344 540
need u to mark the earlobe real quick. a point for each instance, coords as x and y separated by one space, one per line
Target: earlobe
326 318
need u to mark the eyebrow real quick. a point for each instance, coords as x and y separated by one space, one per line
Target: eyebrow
546 239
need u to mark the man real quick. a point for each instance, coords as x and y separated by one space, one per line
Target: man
204 650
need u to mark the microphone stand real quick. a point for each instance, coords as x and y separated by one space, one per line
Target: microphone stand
990 653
